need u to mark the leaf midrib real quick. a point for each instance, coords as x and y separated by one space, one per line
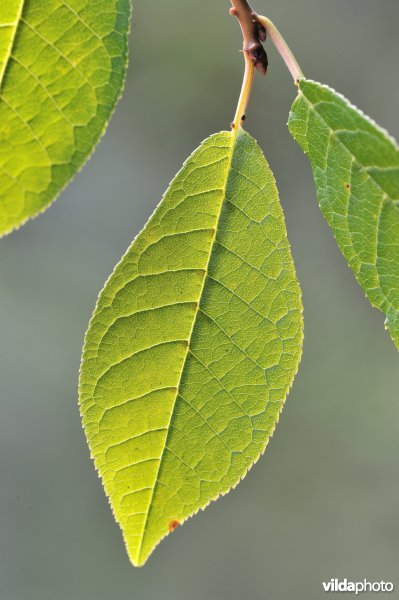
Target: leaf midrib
12 43
235 135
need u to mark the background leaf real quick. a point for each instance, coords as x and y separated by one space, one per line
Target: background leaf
356 169
62 66
193 345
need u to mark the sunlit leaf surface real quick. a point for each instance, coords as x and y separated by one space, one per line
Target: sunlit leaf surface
194 344
62 66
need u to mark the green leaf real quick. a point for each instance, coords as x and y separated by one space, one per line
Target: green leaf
62 67
193 345
356 169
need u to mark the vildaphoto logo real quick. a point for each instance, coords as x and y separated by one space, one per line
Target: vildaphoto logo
357 587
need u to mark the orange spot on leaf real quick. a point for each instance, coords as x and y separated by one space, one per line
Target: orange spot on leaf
173 525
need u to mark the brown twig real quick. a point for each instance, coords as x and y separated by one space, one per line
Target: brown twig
254 34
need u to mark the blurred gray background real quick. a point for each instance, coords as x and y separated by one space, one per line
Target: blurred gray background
324 500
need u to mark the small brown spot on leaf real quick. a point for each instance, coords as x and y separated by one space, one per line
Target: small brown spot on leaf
173 525
348 187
